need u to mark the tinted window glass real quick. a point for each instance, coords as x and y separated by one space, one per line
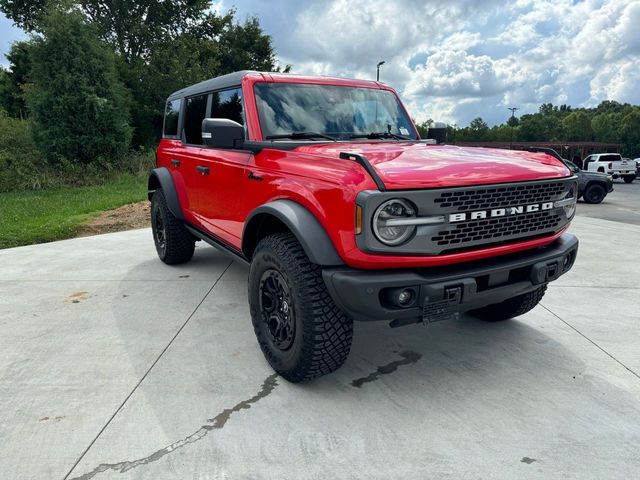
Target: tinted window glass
171 114
610 158
195 112
228 104
331 110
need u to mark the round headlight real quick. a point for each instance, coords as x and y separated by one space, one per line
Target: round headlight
391 222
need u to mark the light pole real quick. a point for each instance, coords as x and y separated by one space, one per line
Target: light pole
513 115
378 70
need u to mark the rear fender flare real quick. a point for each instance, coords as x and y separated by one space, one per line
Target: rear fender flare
161 178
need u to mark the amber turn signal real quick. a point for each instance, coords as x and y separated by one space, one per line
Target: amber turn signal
358 219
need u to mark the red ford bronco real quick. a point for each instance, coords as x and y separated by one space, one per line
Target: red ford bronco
325 189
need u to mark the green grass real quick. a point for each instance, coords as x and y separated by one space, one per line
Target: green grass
28 217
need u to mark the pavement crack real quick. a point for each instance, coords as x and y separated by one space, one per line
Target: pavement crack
592 342
217 422
408 357
164 350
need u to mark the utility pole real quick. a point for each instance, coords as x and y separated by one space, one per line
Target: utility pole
513 115
378 70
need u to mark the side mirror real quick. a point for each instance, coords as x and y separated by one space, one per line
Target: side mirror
438 132
222 133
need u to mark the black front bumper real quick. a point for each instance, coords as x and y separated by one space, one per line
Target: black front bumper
439 292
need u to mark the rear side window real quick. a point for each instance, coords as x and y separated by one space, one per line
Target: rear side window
610 158
228 104
171 115
195 112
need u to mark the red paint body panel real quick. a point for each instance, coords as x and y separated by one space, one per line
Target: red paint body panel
404 166
327 186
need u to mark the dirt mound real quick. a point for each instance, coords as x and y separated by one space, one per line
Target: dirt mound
127 217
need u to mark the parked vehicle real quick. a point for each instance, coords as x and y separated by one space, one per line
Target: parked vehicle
324 188
612 164
637 160
593 187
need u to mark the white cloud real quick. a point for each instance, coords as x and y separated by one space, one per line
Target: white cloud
460 59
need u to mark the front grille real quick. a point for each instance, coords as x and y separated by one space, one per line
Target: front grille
496 197
473 217
493 229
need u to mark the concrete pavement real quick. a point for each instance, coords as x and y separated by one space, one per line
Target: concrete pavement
114 365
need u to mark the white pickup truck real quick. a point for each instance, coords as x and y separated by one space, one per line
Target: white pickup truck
612 164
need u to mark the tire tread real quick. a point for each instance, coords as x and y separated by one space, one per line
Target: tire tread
180 243
327 331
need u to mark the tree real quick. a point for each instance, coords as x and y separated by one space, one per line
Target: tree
423 128
630 133
577 126
478 129
605 127
27 14
14 81
161 46
513 121
77 103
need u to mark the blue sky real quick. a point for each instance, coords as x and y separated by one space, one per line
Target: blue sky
456 60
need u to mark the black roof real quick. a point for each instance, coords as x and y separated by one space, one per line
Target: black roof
218 83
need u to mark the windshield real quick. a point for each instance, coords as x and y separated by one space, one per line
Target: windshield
339 112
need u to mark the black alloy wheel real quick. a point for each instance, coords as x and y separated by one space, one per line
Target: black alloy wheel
174 243
301 331
160 232
594 193
276 309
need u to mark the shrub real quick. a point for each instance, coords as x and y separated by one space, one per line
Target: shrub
23 167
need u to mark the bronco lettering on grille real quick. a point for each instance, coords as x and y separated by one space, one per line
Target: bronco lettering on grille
500 212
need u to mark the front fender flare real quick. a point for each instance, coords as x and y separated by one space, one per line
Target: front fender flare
303 224
161 178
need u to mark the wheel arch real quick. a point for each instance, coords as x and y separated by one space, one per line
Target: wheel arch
287 215
596 182
161 178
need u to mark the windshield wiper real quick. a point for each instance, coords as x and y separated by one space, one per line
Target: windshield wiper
299 135
377 135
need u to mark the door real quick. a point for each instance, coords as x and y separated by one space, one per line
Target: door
222 176
173 156
185 159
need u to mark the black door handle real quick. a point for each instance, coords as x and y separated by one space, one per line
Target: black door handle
175 163
203 170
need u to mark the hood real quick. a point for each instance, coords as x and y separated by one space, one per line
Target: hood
419 165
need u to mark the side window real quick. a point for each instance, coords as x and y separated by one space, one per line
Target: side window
171 115
195 112
228 104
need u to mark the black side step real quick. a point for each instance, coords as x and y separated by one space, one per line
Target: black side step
362 160
218 244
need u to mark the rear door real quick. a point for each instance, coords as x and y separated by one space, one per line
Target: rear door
173 155
186 159
223 175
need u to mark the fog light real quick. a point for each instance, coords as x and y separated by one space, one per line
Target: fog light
405 297
401 297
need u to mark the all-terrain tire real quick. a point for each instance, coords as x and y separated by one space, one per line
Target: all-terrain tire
594 193
629 178
510 308
173 241
314 339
